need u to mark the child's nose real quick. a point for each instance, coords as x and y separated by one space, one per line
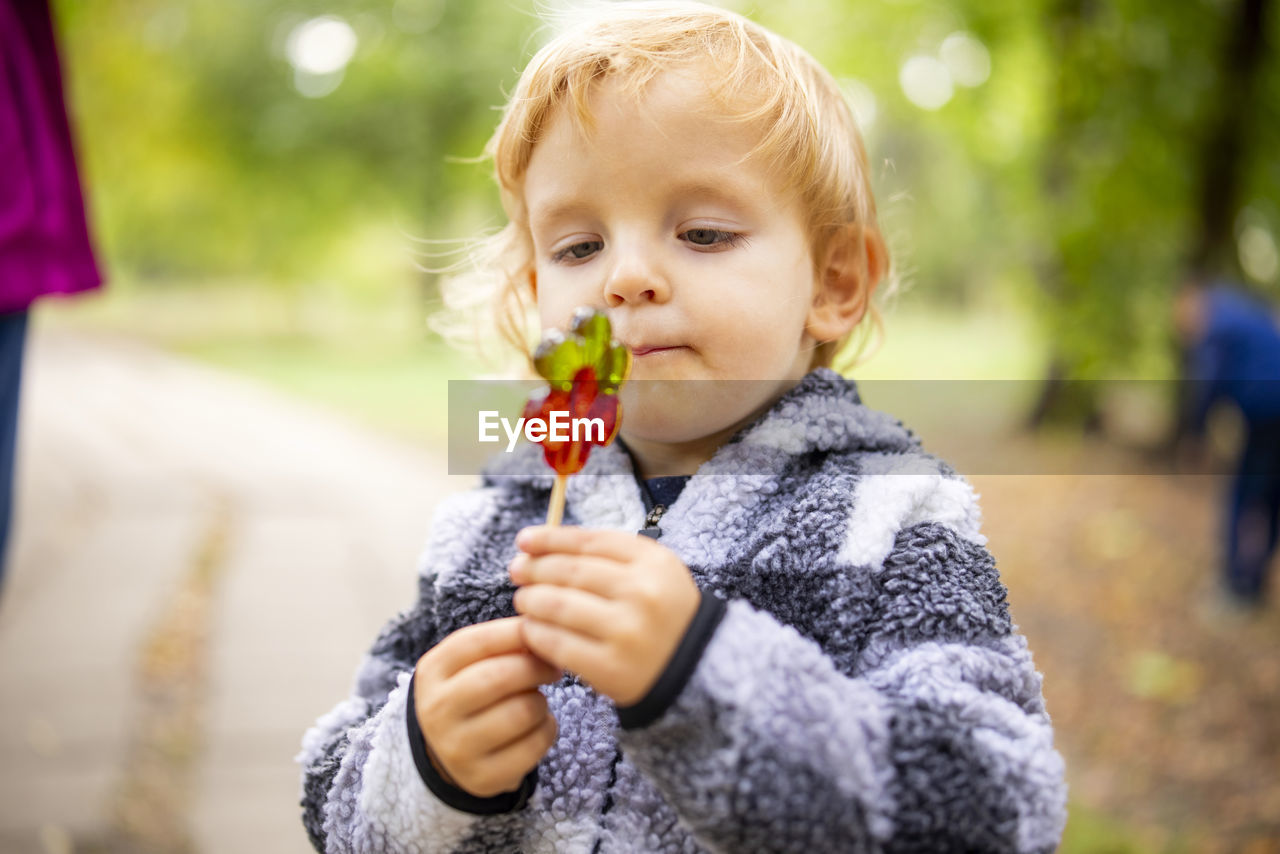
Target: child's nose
634 278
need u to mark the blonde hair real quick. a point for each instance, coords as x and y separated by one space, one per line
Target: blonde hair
811 140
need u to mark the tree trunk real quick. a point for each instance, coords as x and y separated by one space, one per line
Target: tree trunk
1059 401
1226 148
1226 144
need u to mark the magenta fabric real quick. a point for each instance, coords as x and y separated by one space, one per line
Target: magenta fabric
44 239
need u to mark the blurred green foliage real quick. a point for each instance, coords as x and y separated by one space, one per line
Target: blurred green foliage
205 162
1068 183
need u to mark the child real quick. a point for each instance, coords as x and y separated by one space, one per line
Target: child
810 650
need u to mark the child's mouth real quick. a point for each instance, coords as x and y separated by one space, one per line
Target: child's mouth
645 351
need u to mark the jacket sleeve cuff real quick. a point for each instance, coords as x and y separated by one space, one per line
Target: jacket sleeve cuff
679 669
460 799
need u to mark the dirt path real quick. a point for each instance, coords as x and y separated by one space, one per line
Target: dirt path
197 568
1168 713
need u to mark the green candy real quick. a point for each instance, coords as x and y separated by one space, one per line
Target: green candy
589 344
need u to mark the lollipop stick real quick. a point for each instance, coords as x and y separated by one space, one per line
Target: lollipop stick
555 512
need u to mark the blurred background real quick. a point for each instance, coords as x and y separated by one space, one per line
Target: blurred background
228 458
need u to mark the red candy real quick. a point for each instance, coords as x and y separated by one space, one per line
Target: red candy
582 401
584 370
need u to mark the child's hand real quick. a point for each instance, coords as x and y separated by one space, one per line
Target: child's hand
607 605
477 700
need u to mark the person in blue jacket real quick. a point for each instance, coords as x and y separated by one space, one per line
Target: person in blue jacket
1232 352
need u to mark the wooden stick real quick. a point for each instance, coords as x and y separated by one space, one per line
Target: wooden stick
555 512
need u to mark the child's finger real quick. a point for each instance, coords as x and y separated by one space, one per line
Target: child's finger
492 728
487 681
513 760
473 643
570 539
594 575
566 649
576 610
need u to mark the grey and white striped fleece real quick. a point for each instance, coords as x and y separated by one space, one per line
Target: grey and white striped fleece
865 691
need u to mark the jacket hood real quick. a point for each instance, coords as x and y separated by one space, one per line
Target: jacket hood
821 413
821 417
807 454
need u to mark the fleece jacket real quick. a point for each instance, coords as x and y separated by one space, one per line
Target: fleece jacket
863 689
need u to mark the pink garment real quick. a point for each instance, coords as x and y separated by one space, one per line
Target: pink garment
44 240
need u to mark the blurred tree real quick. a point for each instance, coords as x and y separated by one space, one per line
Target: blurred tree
217 155
1152 124
1080 176
1228 142
1069 156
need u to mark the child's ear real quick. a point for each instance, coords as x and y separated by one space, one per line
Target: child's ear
853 264
533 283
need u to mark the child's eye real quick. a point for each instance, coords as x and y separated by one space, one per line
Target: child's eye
578 251
711 237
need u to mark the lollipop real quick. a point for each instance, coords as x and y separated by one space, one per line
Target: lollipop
584 371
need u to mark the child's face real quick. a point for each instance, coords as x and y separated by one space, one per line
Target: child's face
702 263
